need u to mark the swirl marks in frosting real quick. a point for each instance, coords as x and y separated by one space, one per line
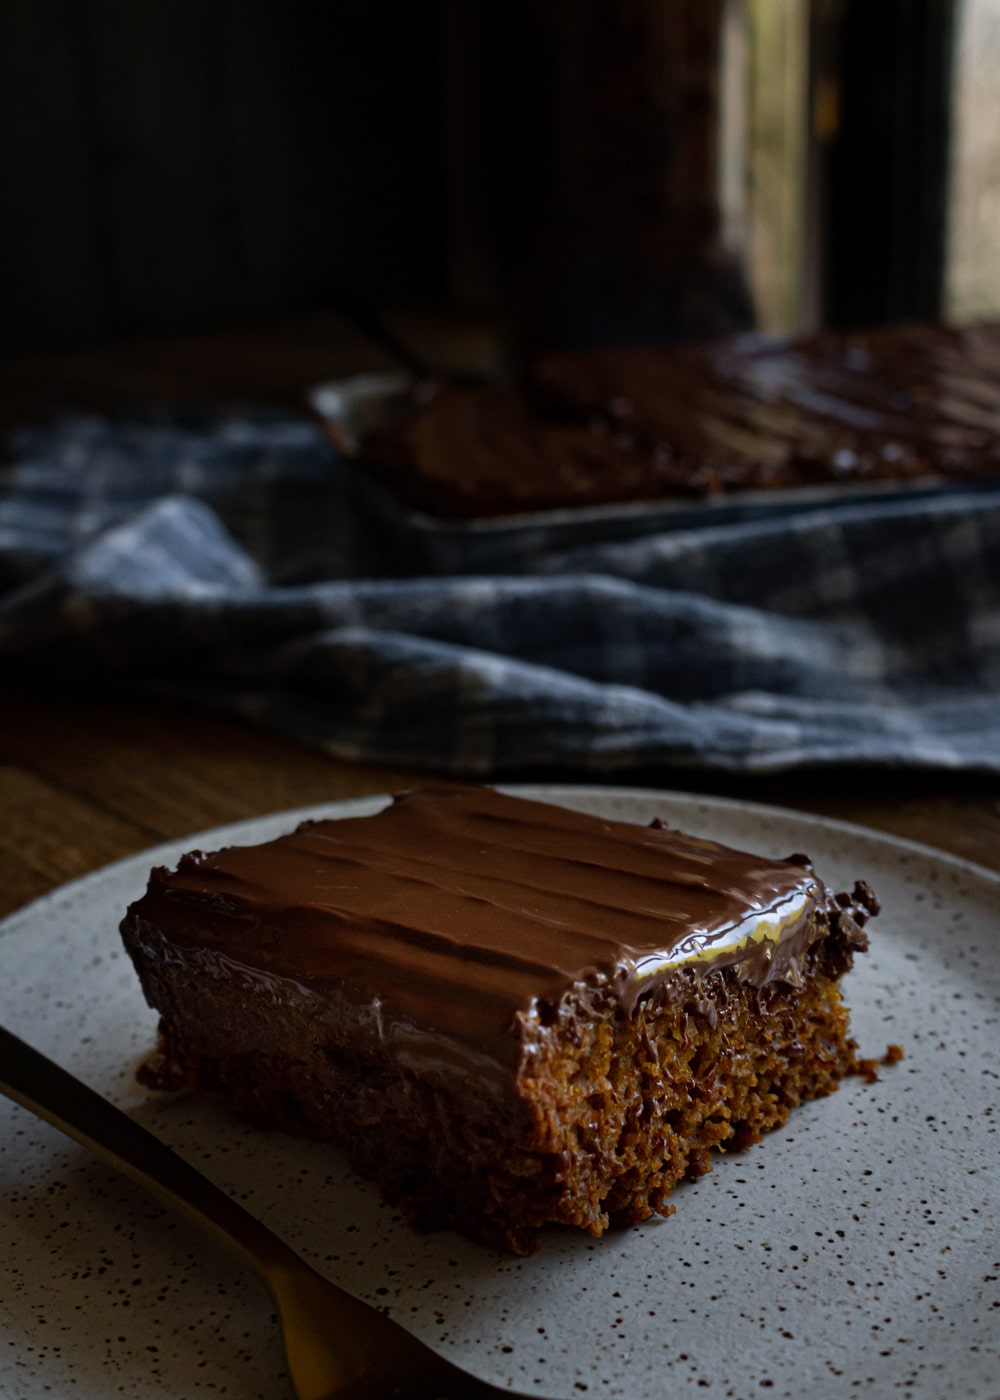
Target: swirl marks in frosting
456 908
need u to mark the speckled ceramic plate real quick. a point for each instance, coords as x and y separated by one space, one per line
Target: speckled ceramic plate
858 1247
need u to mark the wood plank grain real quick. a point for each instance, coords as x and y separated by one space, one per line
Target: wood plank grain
271 363
50 835
967 825
171 772
119 775
954 812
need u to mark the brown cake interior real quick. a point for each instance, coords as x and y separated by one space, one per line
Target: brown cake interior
602 1093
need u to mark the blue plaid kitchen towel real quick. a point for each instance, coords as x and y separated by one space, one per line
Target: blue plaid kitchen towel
226 559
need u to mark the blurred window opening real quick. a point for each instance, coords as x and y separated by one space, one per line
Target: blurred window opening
807 264
972 276
778 96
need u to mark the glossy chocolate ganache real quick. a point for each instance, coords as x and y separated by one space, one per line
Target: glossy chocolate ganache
899 404
458 914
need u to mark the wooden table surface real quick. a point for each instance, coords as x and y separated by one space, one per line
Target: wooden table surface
86 779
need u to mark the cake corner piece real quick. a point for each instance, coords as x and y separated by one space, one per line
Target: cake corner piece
512 1014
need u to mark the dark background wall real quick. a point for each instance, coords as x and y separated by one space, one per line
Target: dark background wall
173 164
184 164
169 163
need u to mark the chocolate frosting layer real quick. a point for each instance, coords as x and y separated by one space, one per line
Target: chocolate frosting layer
456 908
894 404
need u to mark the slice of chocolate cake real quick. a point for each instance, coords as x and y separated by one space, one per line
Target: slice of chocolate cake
509 1013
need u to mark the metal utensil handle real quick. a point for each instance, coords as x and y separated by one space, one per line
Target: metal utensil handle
37 1083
